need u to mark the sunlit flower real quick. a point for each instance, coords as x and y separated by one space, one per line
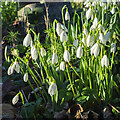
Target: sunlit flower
85 31
95 22
89 13
17 67
54 58
25 78
113 10
79 52
10 71
15 99
67 15
113 47
34 52
105 61
43 52
75 43
100 27
58 28
27 40
62 66
90 40
52 89
63 36
66 56
102 39
95 49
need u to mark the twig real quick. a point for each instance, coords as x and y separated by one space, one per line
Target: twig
114 108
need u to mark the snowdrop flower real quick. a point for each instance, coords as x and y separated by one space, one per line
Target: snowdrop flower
113 47
95 49
85 31
62 66
52 89
27 40
15 99
75 43
102 38
113 10
90 40
57 68
25 78
100 27
83 41
79 52
95 22
63 36
17 67
54 58
43 52
64 28
105 61
89 13
66 56
9 70
67 15
34 52
88 5
58 28
107 36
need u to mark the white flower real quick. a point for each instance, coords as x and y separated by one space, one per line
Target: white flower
67 15
25 78
90 40
89 13
83 40
64 28
75 43
95 22
100 27
85 31
52 89
34 52
15 99
31 43
66 56
102 38
54 58
43 52
79 52
95 49
62 66
17 67
9 70
58 28
63 36
27 40
105 61
113 10
107 36
113 47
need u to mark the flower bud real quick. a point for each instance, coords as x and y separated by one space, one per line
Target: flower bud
67 15
43 52
34 53
15 99
52 89
62 66
27 40
25 78
54 58
79 52
66 56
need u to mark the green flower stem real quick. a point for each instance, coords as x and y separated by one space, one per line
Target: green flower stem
21 95
106 75
74 69
70 80
53 103
112 60
90 83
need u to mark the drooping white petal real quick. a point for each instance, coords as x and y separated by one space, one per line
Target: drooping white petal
63 36
113 47
90 40
52 89
43 52
67 15
85 31
75 43
79 52
95 22
27 40
58 28
9 71
25 78
113 10
95 49
54 58
17 68
15 99
104 61
102 38
66 56
34 53
89 13
107 36
62 66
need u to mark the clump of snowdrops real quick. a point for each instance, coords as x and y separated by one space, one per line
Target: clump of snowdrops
77 62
